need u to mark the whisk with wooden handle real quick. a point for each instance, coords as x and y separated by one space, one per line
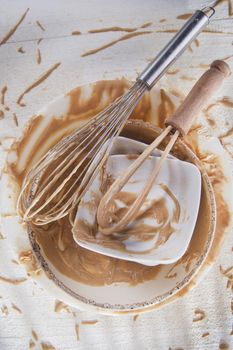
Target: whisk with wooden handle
177 124
58 181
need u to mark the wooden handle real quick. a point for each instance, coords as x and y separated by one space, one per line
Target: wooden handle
204 88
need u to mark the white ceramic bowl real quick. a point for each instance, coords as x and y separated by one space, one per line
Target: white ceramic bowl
117 298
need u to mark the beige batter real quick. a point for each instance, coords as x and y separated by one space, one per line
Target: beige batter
139 231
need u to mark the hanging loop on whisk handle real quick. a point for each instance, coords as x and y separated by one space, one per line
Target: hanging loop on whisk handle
197 98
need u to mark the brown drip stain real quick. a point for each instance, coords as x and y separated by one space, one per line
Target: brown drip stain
38 81
211 122
2 114
32 345
132 156
229 275
39 41
226 102
12 30
7 215
186 261
206 334
38 56
119 29
169 275
34 335
76 32
197 42
208 118
146 25
200 315
60 306
226 58
15 119
162 20
12 281
167 31
185 77
14 261
111 43
211 31
227 271
135 318
77 331
40 26
228 133
172 72
224 143
47 346
3 93
112 29
21 50
224 346
5 310
190 48
19 147
202 65
28 258
230 283
16 308
177 93
184 16
89 323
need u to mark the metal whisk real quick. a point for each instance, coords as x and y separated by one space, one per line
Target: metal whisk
57 182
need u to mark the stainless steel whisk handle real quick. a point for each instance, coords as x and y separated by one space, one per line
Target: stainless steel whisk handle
176 46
